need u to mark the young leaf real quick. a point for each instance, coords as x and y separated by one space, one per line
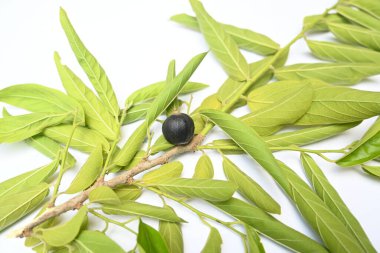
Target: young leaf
249 141
38 98
244 38
333 232
213 243
97 117
169 170
96 242
269 226
368 6
372 170
213 190
88 173
150 239
140 209
359 17
334 73
249 188
84 139
129 192
28 179
90 65
104 195
172 234
253 240
18 128
356 35
65 233
16 206
332 199
204 168
342 53
221 44
365 150
336 105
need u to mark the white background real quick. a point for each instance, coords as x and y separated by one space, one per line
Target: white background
134 41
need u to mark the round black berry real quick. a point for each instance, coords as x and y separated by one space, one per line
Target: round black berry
178 129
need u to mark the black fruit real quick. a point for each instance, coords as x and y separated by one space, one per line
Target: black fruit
178 129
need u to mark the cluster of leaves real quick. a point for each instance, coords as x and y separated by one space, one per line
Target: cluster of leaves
310 96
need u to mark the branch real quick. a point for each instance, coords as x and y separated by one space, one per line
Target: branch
124 178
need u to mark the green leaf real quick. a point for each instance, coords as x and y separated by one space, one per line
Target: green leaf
89 172
332 231
172 234
253 240
332 199
356 35
213 190
97 116
150 239
16 206
169 170
250 189
84 139
249 141
321 25
96 242
368 6
28 179
90 65
221 44
38 98
334 73
342 53
65 233
136 112
213 243
244 38
204 168
365 150
336 105
129 192
140 209
372 170
18 128
277 104
104 195
359 17
140 155
269 226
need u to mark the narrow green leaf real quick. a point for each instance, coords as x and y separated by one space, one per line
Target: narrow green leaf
342 53
249 141
28 179
90 65
221 44
65 233
244 38
140 155
332 199
96 242
213 190
368 6
97 117
140 209
104 195
250 189
359 17
172 234
372 170
334 73
38 98
18 128
365 150
89 172
169 170
84 139
136 112
16 206
213 243
150 239
321 25
204 168
129 192
253 240
356 35
269 226
331 230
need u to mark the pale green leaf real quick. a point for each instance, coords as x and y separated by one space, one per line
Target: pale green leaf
89 172
253 240
90 65
150 240
213 243
370 6
136 112
372 170
321 25
104 195
204 168
169 170
172 234
221 44
96 242
129 192
359 17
